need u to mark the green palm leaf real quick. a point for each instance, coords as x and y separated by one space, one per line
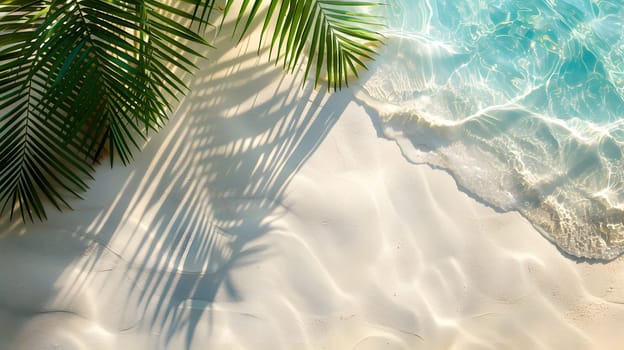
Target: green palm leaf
338 35
76 77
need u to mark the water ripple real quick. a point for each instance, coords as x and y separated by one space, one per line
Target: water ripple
521 100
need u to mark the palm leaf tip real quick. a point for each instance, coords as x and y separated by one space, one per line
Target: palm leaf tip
336 37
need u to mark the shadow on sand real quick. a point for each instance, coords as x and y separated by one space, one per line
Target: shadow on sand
152 244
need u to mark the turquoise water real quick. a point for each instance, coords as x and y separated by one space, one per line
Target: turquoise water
521 100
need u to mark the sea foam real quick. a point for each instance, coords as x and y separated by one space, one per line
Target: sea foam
522 101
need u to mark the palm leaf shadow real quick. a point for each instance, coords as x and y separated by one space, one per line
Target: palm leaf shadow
162 236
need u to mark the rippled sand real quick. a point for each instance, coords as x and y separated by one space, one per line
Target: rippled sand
267 216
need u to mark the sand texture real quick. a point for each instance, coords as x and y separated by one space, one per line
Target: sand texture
270 216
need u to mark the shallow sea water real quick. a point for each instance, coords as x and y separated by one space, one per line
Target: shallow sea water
521 100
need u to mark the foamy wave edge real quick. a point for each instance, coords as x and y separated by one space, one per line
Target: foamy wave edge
576 201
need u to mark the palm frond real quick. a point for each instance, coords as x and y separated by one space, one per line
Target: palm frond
78 76
338 36
81 76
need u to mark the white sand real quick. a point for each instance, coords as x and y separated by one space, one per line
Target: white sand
266 216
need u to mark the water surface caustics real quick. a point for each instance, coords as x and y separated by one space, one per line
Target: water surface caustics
521 100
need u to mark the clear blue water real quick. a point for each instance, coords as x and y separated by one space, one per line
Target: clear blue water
521 100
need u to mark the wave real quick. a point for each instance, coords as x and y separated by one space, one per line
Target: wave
522 101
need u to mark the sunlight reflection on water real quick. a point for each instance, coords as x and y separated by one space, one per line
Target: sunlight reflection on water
521 100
